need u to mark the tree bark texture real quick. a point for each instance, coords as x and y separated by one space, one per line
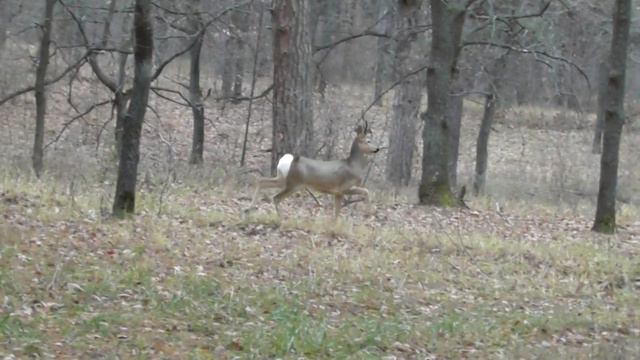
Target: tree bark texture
4 22
238 77
492 101
383 51
603 87
454 118
605 220
121 97
40 88
435 185
406 103
130 155
228 68
292 78
197 108
482 144
241 24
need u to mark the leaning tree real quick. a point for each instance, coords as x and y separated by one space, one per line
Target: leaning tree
605 220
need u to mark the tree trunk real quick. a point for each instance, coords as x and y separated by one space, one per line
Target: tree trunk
195 94
228 68
482 145
350 9
106 30
605 221
406 103
454 117
603 87
383 52
238 77
40 91
130 155
435 185
4 20
492 101
241 23
254 76
121 99
292 79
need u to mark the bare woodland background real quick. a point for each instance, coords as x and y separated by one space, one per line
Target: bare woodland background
515 274
543 93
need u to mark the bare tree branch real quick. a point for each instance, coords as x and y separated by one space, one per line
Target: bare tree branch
156 90
264 93
16 93
108 82
348 38
396 83
73 119
531 52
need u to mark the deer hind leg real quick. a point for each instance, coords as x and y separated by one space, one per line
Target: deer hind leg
281 195
266 183
357 190
337 205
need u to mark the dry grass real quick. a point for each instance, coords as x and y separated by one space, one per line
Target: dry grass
192 276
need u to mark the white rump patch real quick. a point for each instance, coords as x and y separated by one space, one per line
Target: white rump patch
284 164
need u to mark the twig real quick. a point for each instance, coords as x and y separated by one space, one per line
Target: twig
73 119
104 125
531 52
48 82
52 283
348 38
156 90
396 83
264 93
314 197
253 86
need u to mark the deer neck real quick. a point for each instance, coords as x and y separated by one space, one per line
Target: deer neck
356 158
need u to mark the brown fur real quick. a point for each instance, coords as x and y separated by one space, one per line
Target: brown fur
336 177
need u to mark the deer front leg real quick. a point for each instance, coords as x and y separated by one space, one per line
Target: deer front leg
337 205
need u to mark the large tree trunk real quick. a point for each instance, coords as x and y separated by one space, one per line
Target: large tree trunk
603 87
121 100
292 80
435 185
197 108
130 155
4 22
195 92
605 221
406 104
40 87
241 23
350 15
383 51
454 117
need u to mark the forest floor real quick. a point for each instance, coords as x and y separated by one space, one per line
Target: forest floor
194 276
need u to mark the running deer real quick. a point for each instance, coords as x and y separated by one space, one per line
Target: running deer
336 177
